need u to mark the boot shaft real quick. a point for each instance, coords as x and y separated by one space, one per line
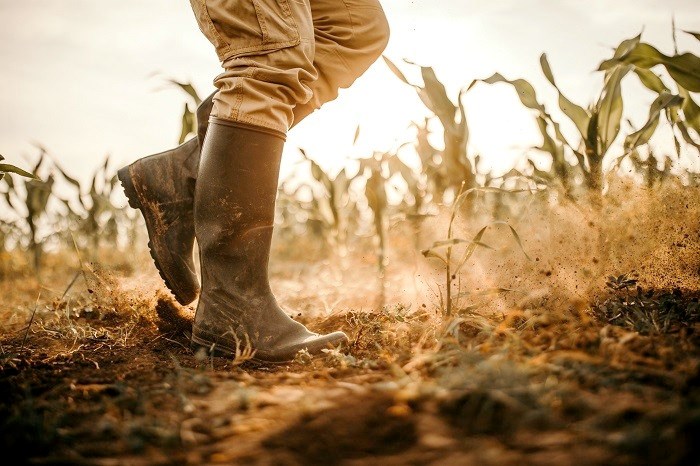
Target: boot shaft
235 206
240 169
234 215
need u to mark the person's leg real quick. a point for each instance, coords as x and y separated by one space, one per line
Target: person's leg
267 49
349 36
234 218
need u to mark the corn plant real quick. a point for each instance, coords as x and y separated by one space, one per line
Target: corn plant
7 228
188 125
331 205
451 166
683 70
97 218
648 167
377 172
598 125
451 259
29 200
505 201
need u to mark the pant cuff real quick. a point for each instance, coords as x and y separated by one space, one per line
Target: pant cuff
248 126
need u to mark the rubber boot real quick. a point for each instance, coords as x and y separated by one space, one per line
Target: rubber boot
161 186
234 217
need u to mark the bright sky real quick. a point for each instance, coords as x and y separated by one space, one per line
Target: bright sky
78 76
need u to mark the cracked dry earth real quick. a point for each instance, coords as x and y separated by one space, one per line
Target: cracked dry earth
106 377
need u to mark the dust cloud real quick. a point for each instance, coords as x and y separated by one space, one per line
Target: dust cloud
651 235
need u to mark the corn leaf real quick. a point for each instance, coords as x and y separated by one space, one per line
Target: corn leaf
463 128
428 253
548 144
40 162
72 181
189 89
642 136
683 68
436 95
395 69
525 91
188 124
674 117
686 136
650 80
577 114
694 34
691 110
610 107
626 46
515 234
7 168
449 242
476 241
67 177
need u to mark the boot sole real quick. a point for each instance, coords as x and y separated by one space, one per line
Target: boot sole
197 344
124 175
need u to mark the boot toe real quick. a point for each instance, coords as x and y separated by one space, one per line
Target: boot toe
313 343
316 343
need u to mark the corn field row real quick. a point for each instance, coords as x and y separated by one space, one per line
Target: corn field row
416 180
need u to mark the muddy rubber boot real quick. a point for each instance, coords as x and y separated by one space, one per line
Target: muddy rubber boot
234 217
161 186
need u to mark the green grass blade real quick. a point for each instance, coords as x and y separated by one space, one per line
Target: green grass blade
516 236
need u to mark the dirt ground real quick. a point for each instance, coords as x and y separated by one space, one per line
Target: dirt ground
103 374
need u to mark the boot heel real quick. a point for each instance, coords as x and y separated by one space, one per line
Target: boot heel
124 176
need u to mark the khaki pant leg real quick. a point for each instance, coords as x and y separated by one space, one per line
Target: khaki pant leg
350 35
267 49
